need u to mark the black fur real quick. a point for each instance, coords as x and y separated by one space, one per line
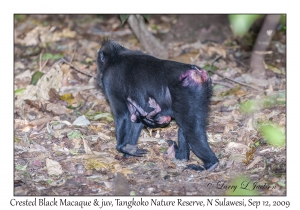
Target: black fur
143 90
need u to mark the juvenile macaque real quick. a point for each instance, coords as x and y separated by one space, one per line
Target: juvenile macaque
145 91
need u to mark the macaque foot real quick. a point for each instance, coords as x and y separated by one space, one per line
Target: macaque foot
133 150
212 167
200 168
172 149
170 152
179 153
194 167
171 143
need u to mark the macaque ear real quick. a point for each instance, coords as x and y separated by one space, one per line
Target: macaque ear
101 56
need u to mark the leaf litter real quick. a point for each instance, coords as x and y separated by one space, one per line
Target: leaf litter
64 132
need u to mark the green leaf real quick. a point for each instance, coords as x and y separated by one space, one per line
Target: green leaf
124 18
17 140
35 77
132 193
147 17
49 56
20 16
273 134
21 168
75 135
240 24
20 91
283 19
243 186
281 183
108 116
207 67
249 106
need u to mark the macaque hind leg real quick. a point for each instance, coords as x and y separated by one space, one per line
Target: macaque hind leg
195 92
182 151
127 136
197 140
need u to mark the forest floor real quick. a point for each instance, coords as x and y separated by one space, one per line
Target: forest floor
64 135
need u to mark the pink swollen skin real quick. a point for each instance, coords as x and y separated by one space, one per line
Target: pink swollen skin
194 77
164 120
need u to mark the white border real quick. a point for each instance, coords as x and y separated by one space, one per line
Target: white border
158 7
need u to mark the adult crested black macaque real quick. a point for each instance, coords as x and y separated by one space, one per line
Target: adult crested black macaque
145 91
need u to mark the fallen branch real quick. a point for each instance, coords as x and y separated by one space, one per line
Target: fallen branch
243 84
82 72
147 40
40 63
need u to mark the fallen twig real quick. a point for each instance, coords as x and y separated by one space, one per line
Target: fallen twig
73 54
223 84
40 63
82 72
229 78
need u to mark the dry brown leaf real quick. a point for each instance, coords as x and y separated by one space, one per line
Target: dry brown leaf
24 74
235 145
250 126
37 148
108 145
147 139
53 95
126 171
103 136
249 156
259 82
229 102
87 149
52 79
53 167
236 115
236 157
76 89
32 37
77 143
255 161
224 118
41 121
152 153
240 93
117 167
186 58
66 32
228 128
96 164
95 155
171 164
57 109
57 183
216 49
